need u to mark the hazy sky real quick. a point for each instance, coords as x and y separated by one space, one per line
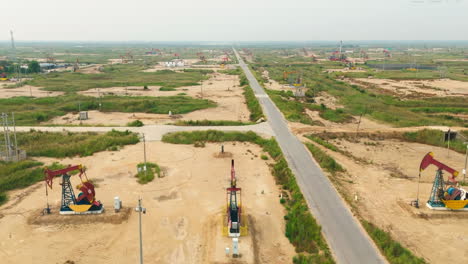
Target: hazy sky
239 20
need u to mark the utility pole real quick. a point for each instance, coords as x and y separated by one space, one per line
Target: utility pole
144 151
14 133
140 210
466 161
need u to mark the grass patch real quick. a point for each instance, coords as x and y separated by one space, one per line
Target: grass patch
392 250
136 123
322 142
253 105
148 176
211 123
292 110
435 138
15 175
166 89
32 111
116 75
301 228
325 161
69 144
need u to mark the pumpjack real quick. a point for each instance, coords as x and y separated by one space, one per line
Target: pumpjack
444 195
234 206
85 203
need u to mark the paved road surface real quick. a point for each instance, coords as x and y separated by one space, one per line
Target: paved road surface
155 132
347 239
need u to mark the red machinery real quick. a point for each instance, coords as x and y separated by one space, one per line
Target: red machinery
85 203
234 206
444 197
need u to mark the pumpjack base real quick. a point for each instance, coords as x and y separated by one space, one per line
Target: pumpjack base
92 211
441 207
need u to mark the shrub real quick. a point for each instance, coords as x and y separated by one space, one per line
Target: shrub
148 175
136 123
264 157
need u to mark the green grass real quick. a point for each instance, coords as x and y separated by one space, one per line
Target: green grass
292 110
68 144
116 75
211 123
368 101
15 175
392 250
148 176
32 111
436 138
136 123
325 161
302 229
322 142
253 105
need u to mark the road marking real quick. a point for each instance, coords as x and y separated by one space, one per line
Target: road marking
261 96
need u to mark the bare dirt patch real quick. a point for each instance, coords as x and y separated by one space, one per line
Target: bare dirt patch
383 187
91 69
416 88
25 90
183 219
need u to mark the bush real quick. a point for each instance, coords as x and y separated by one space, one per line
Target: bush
264 157
145 87
136 123
148 176
253 105
167 89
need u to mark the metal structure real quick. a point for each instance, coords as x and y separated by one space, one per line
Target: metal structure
16 62
85 203
235 225
10 152
444 195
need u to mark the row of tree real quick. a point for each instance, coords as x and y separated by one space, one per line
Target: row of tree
7 67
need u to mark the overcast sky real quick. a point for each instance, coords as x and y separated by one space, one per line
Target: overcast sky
239 20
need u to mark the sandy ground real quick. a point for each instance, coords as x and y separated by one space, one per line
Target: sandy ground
384 188
424 88
345 70
220 88
328 100
91 69
25 90
184 211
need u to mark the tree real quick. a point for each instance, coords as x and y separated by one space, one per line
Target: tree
34 67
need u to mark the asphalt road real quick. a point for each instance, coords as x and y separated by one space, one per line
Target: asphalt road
348 241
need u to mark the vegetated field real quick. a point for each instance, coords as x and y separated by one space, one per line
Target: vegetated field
188 172
116 75
30 111
357 101
69 144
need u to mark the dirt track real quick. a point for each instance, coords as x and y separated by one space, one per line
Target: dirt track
183 220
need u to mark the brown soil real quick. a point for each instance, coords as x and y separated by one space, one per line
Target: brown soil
183 220
91 69
220 88
25 90
416 88
387 182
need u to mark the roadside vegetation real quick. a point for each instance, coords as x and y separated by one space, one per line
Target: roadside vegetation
325 161
394 252
136 123
253 105
69 144
147 176
32 111
301 228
